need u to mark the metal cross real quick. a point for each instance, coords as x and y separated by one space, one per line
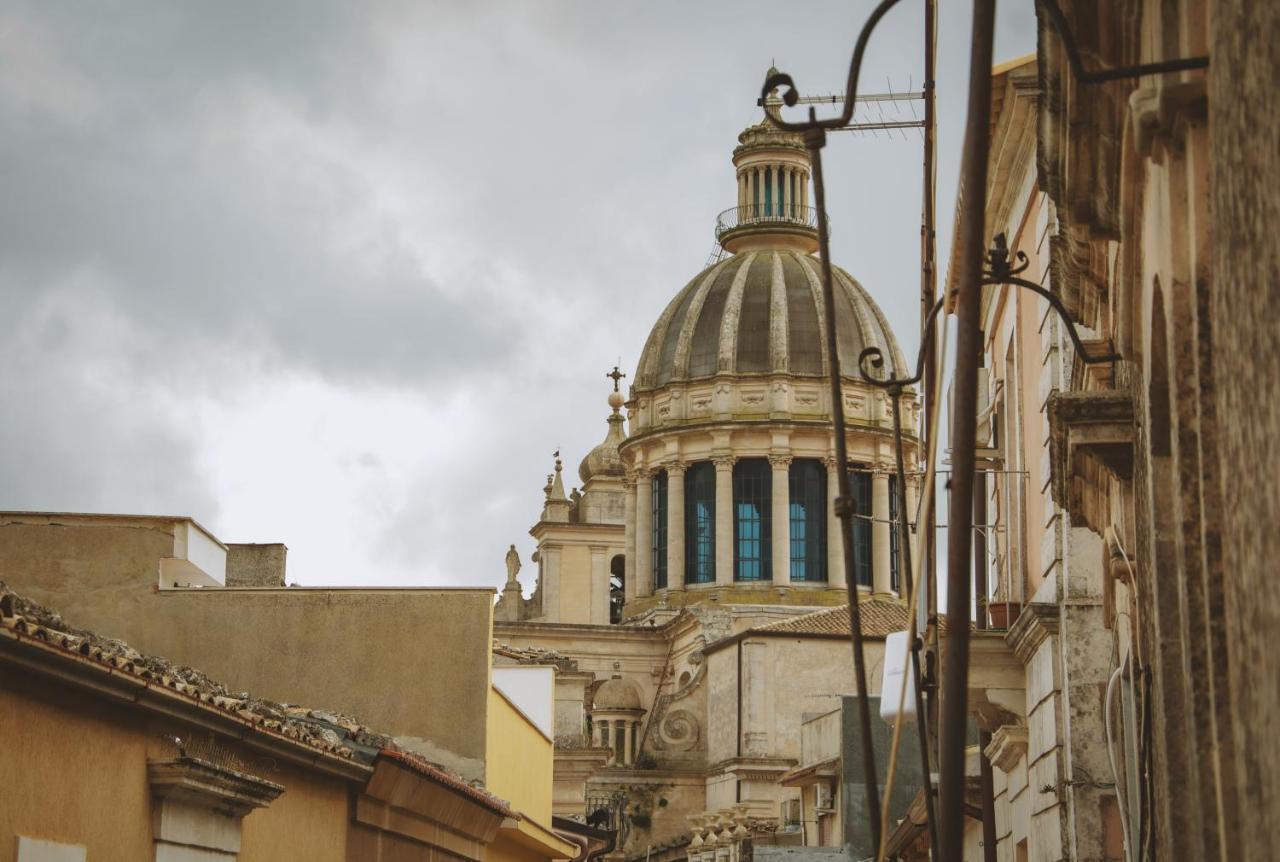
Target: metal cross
615 375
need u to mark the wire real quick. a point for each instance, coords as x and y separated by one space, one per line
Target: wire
1111 759
917 564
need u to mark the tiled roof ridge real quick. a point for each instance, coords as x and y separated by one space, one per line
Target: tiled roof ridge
334 733
474 790
880 616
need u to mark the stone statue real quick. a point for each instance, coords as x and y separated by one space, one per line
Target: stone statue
513 564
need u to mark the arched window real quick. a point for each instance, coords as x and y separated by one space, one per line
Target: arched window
659 509
700 524
752 524
808 485
860 489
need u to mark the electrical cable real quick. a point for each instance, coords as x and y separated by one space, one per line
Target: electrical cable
1111 759
917 564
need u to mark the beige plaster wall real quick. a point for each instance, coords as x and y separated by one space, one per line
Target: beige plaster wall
75 772
373 653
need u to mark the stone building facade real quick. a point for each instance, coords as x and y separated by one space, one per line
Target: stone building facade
1147 521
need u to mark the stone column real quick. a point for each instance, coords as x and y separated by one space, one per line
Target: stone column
773 182
804 189
835 545
781 516
675 526
644 534
629 546
599 593
880 532
623 748
724 521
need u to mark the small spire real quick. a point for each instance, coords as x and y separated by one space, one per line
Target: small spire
557 484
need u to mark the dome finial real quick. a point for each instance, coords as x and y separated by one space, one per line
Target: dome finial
615 397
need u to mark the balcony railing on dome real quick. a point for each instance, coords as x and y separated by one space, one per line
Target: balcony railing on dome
752 215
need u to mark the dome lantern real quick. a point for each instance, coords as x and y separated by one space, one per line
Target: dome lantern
773 209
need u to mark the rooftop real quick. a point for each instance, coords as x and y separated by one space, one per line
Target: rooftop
331 734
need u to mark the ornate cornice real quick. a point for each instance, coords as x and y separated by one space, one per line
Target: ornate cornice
1008 746
1037 621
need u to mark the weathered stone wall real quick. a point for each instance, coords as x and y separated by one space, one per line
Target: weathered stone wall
1245 337
256 565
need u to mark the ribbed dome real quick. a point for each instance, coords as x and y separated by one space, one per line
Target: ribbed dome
616 693
761 312
604 460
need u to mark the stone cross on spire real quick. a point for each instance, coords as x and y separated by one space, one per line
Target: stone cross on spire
615 375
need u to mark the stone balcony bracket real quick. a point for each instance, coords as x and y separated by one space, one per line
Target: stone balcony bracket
1008 746
1091 438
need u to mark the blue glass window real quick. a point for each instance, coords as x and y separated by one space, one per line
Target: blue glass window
752 524
659 508
860 490
768 191
700 524
808 486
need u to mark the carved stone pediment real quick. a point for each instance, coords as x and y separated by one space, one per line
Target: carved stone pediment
1091 437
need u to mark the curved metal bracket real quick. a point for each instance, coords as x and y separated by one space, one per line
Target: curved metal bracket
1000 270
1085 76
790 96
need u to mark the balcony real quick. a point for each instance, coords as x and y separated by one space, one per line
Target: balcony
771 218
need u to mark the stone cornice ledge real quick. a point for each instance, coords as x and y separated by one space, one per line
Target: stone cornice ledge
1008 745
1037 621
195 780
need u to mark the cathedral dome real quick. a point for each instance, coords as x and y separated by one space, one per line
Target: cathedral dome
617 693
761 312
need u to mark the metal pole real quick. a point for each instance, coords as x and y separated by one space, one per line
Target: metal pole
928 282
814 140
963 431
987 779
927 616
904 567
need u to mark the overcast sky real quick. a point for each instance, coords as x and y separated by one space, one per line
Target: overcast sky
345 275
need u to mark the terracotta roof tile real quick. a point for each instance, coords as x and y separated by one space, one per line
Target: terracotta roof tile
331 732
880 617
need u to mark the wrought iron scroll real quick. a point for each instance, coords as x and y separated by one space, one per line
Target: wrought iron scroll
1101 76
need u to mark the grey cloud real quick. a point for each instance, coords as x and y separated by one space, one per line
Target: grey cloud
432 198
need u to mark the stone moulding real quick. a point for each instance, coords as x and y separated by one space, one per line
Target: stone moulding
1037 621
194 780
1091 436
1008 746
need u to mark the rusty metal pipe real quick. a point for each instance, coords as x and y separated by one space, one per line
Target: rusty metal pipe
971 225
